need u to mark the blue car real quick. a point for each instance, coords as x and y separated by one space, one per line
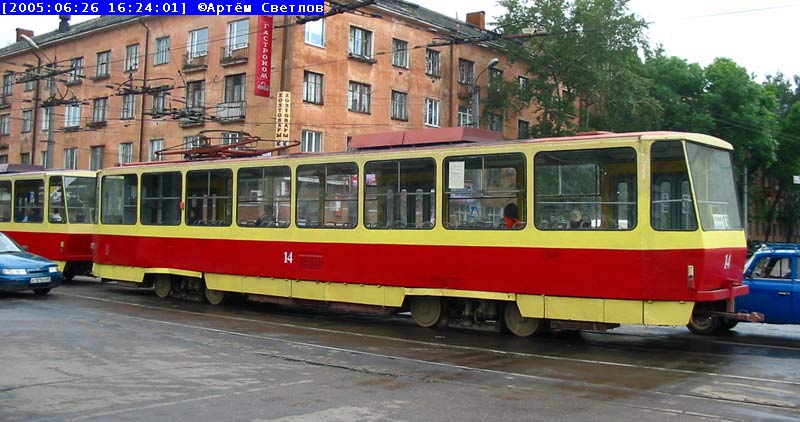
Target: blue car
22 270
772 276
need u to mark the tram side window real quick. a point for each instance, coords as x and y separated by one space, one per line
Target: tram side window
5 200
81 199
56 207
209 198
119 196
161 198
713 181
327 195
478 188
264 197
400 194
671 204
586 189
29 201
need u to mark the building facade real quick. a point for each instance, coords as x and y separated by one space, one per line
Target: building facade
125 87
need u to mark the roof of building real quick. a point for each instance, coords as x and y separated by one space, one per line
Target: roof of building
400 7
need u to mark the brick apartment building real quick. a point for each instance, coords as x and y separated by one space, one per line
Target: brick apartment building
348 74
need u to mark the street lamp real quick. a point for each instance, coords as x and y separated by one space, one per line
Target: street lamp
475 92
51 115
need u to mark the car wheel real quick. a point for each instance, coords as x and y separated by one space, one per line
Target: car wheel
41 292
704 324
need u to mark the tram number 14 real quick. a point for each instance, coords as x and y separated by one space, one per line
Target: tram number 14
288 258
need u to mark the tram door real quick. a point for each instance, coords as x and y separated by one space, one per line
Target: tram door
673 208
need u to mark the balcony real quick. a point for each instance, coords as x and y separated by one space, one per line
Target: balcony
230 56
232 111
96 124
192 116
195 62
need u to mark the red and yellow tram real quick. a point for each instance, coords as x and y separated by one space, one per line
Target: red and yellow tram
52 213
637 228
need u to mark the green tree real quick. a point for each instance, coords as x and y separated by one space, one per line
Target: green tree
679 89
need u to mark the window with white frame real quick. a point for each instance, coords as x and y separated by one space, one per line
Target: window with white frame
162 51
76 70
315 32
43 155
464 115
524 87
466 71
431 112
360 42
400 53
128 106
71 158
399 105
27 121
103 63
196 94
238 32
96 157
155 146
312 87
131 57
46 119
198 43
99 108
229 138
358 97
5 124
8 84
433 63
29 85
126 152
312 141
72 115
159 103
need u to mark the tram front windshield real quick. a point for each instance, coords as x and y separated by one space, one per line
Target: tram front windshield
715 191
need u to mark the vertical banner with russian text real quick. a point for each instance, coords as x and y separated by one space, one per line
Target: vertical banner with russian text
283 118
264 57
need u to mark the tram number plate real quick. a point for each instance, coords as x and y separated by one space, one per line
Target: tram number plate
38 280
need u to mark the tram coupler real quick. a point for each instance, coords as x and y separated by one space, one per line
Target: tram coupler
736 316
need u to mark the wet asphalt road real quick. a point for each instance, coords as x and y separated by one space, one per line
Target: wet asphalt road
99 352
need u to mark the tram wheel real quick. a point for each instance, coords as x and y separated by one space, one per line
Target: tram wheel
704 324
215 297
162 286
519 325
426 311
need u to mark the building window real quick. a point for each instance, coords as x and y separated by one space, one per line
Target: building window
466 71
234 88
4 159
155 146
126 152
71 158
229 138
25 158
46 119
99 109
198 43
312 87
159 104
464 115
27 121
315 32
522 129
495 81
399 105
131 57
496 122
312 141
103 60
358 97
433 63
524 87
5 124
400 53
162 51
76 74
196 94
431 112
96 159
43 155
360 43
128 106
73 116
29 85
238 32
8 84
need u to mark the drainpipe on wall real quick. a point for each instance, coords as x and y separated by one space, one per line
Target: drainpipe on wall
141 112
35 123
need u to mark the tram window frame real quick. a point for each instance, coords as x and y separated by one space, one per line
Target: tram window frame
563 201
161 208
326 205
487 198
81 197
119 200
203 198
5 200
29 191
663 206
387 207
268 189
56 204
715 193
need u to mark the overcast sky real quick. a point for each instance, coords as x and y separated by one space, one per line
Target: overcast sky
761 36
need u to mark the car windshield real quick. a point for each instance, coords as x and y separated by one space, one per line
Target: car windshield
7 245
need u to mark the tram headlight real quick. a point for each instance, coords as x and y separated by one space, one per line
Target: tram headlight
14 271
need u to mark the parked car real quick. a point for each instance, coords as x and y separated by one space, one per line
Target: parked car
772 275
22 270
